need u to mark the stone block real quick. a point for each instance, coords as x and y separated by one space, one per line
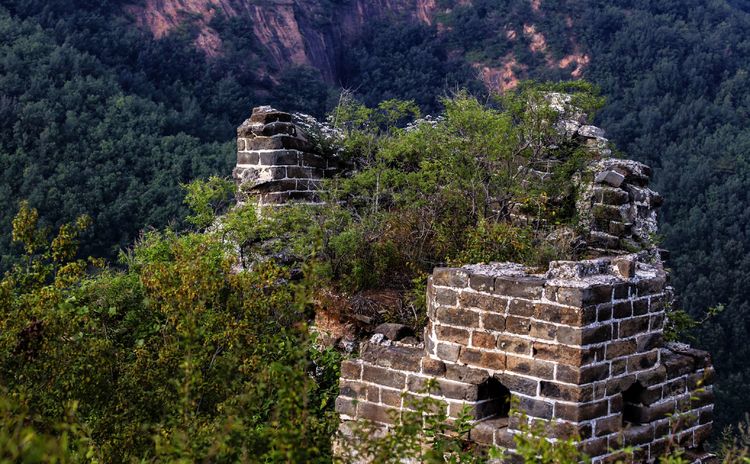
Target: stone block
658 448
280 158
390 397
266 115
448 353
597 334
483 433
583 296
351 369
651 395
610 195
346 406
657 322
399 357
649 341
559 314
564 354
622 309
482 358
644 414
277 142
457 316
529 287
373 393
483 302
445 296
483 340
482 283
432 366
458 391
616 404
611 178
450 277
620 348
564 392
702 434
518 325
620 229
542 330
676 364
617 385
521 307
534 407
493 321
311 160
477 411
582 375
453 335
607 425
352 389
596 446
518 384
531 367
514 345
640 306
701 379
283 185
466 374
579 412
251 158
633 326
651 285
504 438
706 415
418 402
634 435
642 361
701 398
653 376
383 376
377 413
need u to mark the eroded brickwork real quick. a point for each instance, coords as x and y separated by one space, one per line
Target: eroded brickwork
579 347
276 162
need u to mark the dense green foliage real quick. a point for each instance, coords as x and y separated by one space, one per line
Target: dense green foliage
173 359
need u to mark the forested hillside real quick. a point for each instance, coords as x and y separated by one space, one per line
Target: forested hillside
101 118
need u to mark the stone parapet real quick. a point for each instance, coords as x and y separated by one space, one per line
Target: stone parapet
578 347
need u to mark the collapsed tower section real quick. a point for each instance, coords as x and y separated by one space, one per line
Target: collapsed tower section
579 347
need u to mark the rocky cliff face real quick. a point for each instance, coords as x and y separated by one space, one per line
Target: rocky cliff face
290 32
314 32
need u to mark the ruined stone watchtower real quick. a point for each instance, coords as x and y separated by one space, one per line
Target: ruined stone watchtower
579 347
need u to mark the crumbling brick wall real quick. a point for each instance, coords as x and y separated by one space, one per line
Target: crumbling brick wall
276 161
579 347
566 345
